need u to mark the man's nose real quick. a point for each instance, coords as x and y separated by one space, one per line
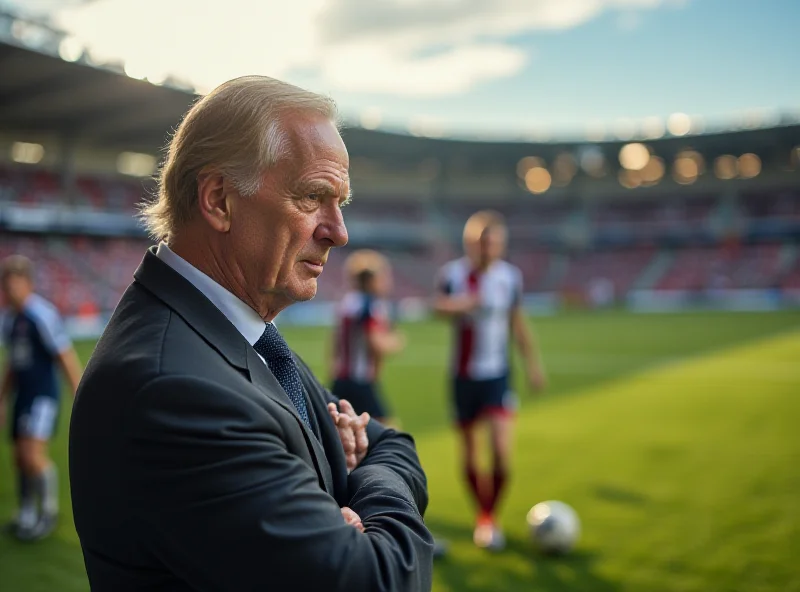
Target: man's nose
332 228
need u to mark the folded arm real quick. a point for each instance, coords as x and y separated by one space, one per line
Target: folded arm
225 505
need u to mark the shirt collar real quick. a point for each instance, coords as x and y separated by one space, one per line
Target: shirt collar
245 319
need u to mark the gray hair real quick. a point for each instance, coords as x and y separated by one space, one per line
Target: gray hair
236 129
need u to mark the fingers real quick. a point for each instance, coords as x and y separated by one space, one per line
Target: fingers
346 408
362 441
352 432
346 433
333 411
353 519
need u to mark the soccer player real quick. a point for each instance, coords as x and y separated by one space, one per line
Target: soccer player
481 294
364 336
36 343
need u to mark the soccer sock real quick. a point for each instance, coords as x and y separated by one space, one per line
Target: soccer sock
27 499
46 484
50 500
499 478
475 486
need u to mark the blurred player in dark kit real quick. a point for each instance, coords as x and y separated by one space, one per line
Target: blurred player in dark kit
37 345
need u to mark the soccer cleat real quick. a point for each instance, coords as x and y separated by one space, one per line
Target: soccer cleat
24 521
498 540
42 529
484 526
487 535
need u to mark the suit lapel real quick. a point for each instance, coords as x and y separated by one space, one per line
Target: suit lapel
263 378
328 435
207 320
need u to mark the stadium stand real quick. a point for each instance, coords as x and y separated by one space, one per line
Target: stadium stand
36 187
72 211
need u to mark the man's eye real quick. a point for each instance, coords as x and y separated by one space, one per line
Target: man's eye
313 196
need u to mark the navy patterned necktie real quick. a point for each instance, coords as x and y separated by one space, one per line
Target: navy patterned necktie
278 356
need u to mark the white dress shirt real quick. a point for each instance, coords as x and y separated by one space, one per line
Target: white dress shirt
245 319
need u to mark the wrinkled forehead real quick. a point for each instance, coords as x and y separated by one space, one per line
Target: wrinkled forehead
312 136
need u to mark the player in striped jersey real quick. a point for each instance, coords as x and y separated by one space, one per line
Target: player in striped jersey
36 344
481 294
364 336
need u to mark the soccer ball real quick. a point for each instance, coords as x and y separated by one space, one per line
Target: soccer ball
554 527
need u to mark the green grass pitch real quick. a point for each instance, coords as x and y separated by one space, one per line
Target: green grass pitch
674 436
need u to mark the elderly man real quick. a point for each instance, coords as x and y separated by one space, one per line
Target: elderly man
204 455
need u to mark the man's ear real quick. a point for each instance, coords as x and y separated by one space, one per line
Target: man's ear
214 200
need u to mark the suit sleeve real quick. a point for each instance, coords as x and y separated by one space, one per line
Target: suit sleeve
226 506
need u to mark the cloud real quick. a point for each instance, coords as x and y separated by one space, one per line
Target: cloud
414 48
421 21
629 21
449 72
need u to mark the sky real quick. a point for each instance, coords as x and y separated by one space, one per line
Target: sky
534 69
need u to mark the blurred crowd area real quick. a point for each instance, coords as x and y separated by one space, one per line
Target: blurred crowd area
38 187
585 252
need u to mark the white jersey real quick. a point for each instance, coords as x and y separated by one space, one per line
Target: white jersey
358 314
482 338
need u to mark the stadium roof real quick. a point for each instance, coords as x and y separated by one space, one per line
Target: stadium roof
105 108
42 93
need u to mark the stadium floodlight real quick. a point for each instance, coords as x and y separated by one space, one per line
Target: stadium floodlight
526 163
27 152
134 70
653 128
679 124
70 49
538 180
629 179
136 164
426 127
653 170
634 157
624 128
685 170
696 157
592 161
371 118
564 169
725 167
749 165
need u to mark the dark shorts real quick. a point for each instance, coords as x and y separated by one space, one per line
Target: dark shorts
363 396
473 399
34 417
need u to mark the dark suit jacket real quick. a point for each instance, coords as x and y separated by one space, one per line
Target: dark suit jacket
191 470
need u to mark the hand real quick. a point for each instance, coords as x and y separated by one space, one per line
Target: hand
470 303
352 519
537 379
352 430
399 341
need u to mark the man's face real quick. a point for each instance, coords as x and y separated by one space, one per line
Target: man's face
281 236
16 289
489 247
